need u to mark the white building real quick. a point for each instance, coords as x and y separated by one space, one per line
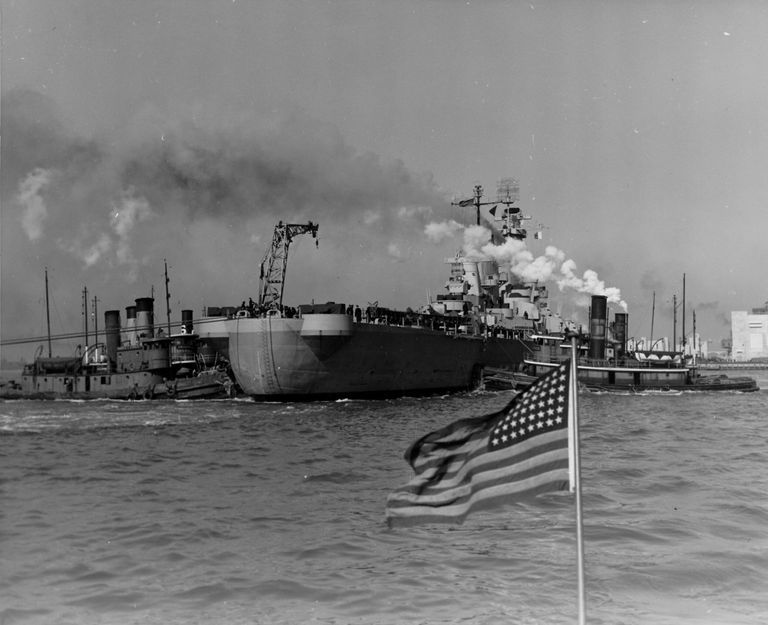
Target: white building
749 334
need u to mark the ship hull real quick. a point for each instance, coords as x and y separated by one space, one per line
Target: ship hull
136 385
330 356
640 379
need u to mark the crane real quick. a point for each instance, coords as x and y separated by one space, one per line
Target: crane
272 277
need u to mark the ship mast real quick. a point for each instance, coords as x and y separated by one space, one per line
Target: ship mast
507 193
47 313
85 316
275 263
683 342
696 347
167 298
475 201
95 320
674 322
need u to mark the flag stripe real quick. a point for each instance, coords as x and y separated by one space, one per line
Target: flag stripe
462 470
449 441
549 461
554 480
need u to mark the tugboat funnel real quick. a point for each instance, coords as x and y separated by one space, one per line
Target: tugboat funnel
112 331
145 317
620 326
597 325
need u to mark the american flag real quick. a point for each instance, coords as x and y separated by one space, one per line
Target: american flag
479 462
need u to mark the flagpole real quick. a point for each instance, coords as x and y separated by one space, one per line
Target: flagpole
576 485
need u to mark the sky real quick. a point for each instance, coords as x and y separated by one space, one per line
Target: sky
135 133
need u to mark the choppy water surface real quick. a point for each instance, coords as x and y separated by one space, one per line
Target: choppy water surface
241 512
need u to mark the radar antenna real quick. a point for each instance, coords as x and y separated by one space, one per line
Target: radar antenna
508 192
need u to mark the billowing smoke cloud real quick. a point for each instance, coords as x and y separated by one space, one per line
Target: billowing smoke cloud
550 266
112 246
284 166
199 188
127 213
589 283
437 232
34 210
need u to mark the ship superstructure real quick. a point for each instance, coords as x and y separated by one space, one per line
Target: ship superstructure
481 286
333 350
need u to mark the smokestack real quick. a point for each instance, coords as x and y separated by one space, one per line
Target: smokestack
620 326
597 324
186 322
145 317
129 335
112 331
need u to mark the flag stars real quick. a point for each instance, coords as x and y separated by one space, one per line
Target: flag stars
540 410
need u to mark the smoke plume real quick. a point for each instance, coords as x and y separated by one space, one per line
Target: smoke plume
198 189
550 266
34 210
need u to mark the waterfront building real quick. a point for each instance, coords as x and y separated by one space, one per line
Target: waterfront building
749 334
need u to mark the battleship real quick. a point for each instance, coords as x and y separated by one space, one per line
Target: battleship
332 350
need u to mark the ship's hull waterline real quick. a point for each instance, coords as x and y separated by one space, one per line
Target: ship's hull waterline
331 356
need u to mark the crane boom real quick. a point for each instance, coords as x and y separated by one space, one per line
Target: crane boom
273 267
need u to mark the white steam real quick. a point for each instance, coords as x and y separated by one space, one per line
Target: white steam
436 232
552 265
589 283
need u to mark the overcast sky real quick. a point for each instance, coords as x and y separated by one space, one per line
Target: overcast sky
185 129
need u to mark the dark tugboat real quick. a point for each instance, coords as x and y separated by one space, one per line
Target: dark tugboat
605 363
136 361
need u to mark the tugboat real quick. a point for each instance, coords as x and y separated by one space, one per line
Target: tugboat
136 361
606 365
140 364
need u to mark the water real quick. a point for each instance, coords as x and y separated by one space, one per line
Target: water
242 512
